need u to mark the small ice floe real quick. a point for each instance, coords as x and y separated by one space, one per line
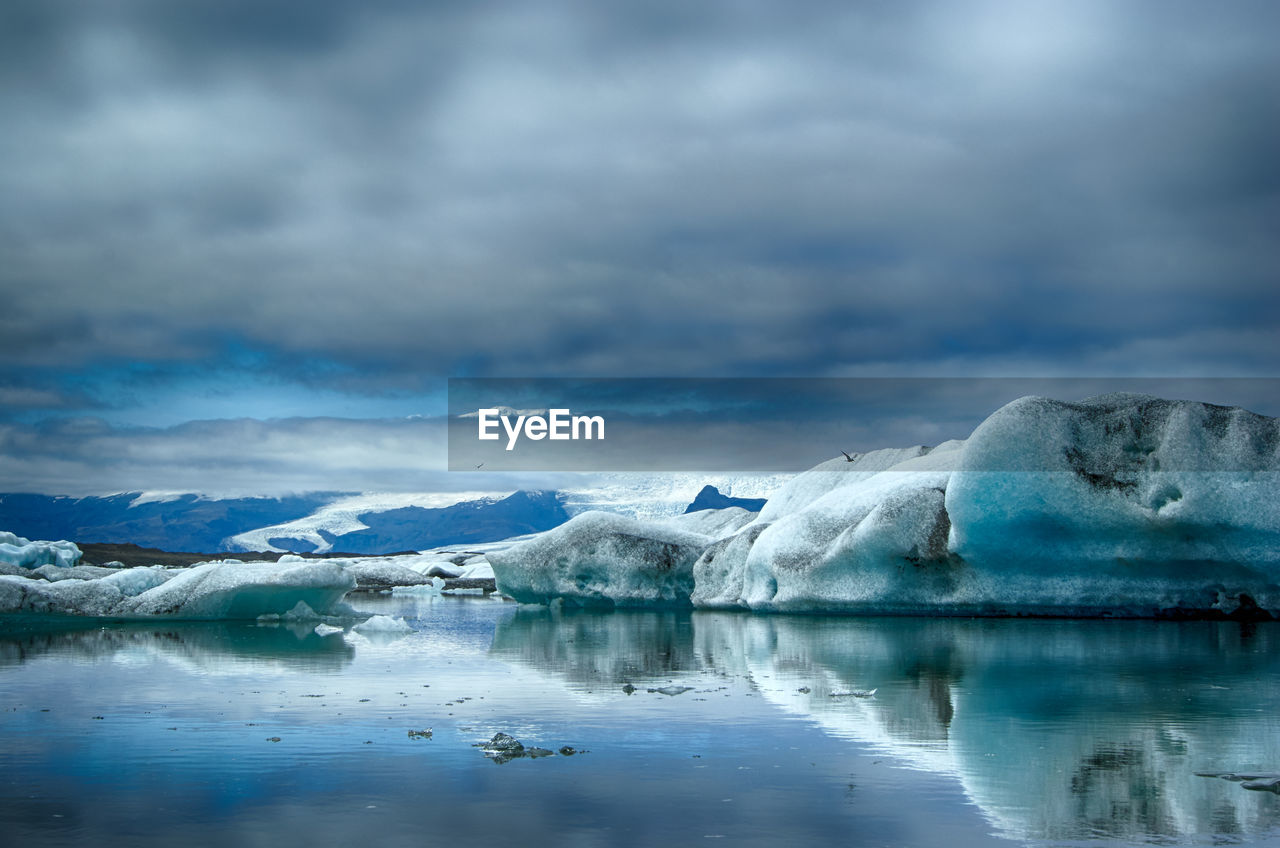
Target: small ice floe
420 734
323 629
856 693
425 590
504 747
300 612
383 625
672 690
377 574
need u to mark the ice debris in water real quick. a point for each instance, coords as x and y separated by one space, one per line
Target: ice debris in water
383 624
504 747
433 589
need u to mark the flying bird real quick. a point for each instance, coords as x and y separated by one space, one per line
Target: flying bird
847 458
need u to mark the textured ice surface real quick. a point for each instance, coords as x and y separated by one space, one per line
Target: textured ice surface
215 590
716 523
602 558
857 547
382 573
1122 505
24 553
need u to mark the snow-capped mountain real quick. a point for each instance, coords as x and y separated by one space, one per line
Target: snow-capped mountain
356 523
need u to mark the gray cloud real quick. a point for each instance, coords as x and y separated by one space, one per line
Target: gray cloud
579 188
80 456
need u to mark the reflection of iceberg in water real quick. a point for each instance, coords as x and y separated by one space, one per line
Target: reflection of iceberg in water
209 647
1055 729
593 648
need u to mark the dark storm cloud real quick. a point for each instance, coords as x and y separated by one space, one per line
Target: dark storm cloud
395 190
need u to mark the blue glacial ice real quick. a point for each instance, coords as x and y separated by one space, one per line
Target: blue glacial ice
19 553
226 590
1124 505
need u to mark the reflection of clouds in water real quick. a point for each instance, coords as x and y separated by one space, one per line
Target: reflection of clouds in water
1056 729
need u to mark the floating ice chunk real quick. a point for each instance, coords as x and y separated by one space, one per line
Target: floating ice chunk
209 591
227 590
300 612
382 573
383 624
601 558
25 553
425 590
323 629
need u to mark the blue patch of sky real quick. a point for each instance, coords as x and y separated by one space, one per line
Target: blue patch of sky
239 383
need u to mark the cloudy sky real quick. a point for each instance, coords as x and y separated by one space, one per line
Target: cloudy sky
244 242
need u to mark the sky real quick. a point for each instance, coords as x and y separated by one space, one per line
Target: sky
244 244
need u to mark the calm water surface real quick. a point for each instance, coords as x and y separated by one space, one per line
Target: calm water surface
979 732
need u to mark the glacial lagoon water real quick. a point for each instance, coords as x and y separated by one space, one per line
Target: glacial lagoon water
745 729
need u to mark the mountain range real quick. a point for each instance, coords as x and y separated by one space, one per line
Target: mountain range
364 523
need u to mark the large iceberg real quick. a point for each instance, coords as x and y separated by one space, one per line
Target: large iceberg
1124 505
601 558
